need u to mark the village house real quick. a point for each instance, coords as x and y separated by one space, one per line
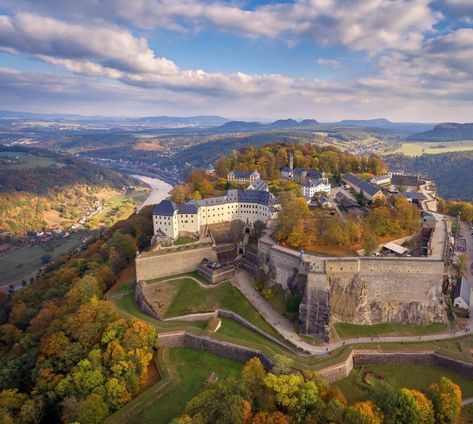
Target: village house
310 188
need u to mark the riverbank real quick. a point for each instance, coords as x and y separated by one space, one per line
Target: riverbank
160 190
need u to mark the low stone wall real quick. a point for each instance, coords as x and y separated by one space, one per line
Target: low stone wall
331 373
160 264
217 347
216 275
365 357
141 301
338 371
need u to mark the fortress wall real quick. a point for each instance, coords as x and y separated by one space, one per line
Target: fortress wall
152 265
217 347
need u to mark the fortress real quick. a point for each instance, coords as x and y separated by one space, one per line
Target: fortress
171 219
356 290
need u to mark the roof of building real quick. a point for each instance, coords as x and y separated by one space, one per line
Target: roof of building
259 184
462 289
429 217
412 195
364 186
165 208
299 170
368 188
244 174
406 180
286 169
350 178
253 196
324 199
381 178
189 208
312 183
312 173
396 248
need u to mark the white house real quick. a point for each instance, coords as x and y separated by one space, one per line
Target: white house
461 294
243 177
381 180
249 206
310 188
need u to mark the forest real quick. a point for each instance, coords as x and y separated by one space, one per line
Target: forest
65 352
450 171
43 181
300 228
285 396
268 160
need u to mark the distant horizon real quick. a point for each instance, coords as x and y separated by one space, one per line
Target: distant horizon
261 120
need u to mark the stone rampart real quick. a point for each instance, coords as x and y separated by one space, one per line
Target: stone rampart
217 347
357 290
160 264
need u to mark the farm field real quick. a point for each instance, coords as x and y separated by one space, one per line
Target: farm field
417 148
419 377
19 263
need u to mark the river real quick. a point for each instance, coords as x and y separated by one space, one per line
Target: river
159 190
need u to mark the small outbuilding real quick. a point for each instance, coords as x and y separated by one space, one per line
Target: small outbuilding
396 249
461 294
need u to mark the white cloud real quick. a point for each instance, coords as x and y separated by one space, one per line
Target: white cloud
371 25
335 64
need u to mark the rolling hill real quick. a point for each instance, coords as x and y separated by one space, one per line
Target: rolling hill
448 131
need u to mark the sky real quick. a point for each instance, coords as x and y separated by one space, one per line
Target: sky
405 60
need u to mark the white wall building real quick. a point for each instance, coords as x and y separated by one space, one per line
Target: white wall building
243 177
249 206
310 188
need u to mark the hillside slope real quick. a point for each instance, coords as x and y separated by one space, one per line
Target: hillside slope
448 131
36 184
453 172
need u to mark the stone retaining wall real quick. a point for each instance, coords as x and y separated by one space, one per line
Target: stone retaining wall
153 265
217 347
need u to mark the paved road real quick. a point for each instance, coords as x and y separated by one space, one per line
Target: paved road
466 232
244 282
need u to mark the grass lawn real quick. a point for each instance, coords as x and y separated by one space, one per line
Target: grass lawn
22 262
398 376
191 298
186 369
348 331
417 148
467 414
184 240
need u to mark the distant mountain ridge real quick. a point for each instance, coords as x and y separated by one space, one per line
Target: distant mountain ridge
448 131
235 126
386 124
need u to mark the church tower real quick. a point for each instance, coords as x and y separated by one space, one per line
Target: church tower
291 161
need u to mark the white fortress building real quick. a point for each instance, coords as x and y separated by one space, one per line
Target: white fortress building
249 206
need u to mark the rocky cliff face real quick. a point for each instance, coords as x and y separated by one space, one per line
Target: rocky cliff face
353 303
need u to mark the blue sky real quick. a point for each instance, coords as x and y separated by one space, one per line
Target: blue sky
406 60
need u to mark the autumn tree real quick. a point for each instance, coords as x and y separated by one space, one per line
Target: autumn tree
446 398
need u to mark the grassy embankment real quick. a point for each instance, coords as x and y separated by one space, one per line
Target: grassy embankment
184 372
357 386
349 331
